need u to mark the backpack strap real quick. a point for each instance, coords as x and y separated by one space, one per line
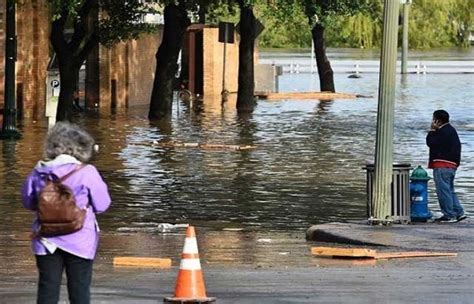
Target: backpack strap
64 177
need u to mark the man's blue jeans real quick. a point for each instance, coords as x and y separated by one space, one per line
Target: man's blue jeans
78 272
448 201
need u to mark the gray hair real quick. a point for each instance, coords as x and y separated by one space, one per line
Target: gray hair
71 139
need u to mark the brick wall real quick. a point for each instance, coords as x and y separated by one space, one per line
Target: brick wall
33 55
32 26
213 67
130 69
142 65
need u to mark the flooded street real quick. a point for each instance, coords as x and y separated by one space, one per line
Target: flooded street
249 207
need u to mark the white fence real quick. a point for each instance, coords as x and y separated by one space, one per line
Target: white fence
305 65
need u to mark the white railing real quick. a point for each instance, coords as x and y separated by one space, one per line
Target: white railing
306 65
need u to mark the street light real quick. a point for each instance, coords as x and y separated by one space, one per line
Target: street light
9 130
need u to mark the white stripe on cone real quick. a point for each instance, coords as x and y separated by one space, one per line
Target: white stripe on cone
190 246
190 264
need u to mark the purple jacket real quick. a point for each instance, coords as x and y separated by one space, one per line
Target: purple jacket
85 183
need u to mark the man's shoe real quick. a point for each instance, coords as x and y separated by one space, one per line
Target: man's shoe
445 219
461 217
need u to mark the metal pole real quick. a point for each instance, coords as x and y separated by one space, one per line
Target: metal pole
9 130
224 91
385 115
406 9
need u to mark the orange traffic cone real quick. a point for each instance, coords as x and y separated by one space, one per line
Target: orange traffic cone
190 282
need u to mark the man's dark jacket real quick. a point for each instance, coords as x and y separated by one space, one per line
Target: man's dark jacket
444 145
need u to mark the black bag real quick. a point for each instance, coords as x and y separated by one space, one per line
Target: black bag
57 210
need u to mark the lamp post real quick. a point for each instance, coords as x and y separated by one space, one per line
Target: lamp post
385 114
9 130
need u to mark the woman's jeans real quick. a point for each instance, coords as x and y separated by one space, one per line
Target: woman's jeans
448 201
78 272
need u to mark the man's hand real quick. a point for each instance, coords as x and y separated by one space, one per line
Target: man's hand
434 125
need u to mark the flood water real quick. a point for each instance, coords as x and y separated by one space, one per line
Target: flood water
306 167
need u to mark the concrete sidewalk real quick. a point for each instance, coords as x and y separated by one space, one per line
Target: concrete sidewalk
282 270
457 237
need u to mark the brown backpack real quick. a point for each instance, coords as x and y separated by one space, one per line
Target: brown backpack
57 210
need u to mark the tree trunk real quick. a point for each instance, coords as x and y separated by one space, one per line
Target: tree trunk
245 94
68 75
326 75
176 22
71 54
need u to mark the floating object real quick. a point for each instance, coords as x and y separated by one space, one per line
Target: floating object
185 95
344 252
354 76
304 95
142 262
166 227
190 282
232 229
172 144
373 254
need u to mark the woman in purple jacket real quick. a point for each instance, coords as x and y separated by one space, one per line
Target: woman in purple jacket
67 146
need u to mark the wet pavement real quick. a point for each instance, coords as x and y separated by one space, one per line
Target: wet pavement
249 267
451 237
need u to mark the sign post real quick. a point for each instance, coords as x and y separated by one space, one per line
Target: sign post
226 35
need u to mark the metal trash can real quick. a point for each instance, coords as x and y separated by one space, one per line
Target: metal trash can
400 192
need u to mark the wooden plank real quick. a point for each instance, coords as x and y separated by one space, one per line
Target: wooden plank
373 254
344 252
205 146
305 95
412 254
142 262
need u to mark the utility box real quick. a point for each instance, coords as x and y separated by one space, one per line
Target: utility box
267 77
53 86
400 205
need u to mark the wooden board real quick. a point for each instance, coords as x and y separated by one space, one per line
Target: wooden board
205 146
344 252
373 254
305 95
412 254
142 262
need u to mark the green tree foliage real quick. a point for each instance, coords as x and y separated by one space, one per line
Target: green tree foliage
433 23
286 27
440 23
119 19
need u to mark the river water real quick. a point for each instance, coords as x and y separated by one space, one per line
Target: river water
306 167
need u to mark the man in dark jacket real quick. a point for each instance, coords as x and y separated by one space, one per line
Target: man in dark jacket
445 157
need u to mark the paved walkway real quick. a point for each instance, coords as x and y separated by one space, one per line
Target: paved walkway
279 280
419 236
